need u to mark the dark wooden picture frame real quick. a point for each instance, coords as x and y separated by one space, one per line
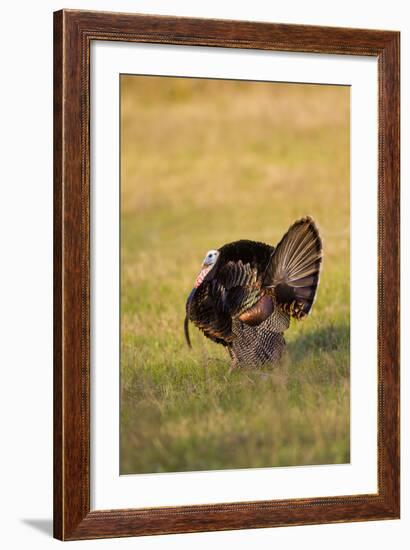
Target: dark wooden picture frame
73 33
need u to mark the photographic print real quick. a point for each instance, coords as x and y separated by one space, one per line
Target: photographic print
226 275
235 274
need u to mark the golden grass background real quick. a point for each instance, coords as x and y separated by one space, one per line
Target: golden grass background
203 163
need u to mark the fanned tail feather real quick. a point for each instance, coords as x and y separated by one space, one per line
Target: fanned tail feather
294 269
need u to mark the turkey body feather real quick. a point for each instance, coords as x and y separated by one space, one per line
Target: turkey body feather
246 299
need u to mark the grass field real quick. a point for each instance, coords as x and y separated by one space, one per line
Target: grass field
204 163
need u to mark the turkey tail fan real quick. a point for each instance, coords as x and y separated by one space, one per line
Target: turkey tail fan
294 269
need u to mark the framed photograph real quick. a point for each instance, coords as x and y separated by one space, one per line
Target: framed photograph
226 275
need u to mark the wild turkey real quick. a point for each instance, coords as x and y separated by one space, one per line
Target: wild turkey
247 291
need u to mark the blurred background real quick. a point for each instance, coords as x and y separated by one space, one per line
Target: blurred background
203 163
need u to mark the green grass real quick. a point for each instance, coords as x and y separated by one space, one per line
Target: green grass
205 163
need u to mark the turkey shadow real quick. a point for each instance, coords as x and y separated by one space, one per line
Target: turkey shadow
327 339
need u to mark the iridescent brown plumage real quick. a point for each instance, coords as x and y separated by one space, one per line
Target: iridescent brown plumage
244 300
